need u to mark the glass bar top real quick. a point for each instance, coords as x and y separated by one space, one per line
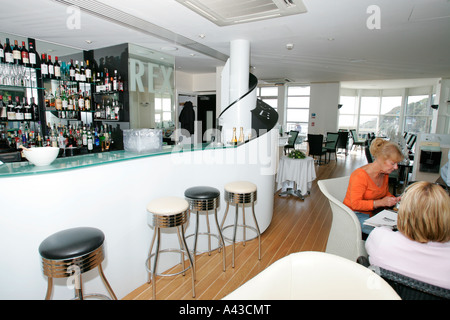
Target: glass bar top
8 170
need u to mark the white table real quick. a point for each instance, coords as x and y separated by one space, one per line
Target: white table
297 172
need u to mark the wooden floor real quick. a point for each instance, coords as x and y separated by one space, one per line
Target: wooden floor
296 226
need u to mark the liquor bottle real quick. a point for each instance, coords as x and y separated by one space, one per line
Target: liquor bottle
90 141
71 71
87 102
120 83
28 114
51 68
11 110
58 100
44 66
57 69
17 56
32 55
69 101
25 55
18 110
84 136
115 85
80 102
234 139
82 72
96 139
2 53
3 110
88 72
241 136
106 80
77 71
9 58
34 109
116 111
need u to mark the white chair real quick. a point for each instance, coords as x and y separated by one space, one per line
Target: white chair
314 276
345 235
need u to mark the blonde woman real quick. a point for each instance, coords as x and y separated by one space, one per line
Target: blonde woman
368 188
420 249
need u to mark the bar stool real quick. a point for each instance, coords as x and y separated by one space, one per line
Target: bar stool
203 198
73 252
241 192
168 212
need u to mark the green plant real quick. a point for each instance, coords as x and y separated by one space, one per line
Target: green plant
296 154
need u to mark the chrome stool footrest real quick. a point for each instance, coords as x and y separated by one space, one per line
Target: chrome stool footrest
170 250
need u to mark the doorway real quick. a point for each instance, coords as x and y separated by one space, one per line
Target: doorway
206 114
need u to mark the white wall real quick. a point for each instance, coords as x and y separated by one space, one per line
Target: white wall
324 99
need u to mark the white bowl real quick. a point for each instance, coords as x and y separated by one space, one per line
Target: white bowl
41 156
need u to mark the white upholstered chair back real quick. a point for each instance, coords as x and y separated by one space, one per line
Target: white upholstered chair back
345 235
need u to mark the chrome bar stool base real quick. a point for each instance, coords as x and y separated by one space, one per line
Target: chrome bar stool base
168 212
73 252
205 199
241 192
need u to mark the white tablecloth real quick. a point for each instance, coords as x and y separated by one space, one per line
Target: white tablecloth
300 171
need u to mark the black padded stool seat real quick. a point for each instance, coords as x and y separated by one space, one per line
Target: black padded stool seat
71 243
72 252
202 193
204 198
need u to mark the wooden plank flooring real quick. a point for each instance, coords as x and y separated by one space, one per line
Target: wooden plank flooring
296 226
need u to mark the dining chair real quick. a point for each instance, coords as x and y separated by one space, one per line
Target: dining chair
356 141
291 141
343 140
315 144
331 144
345 238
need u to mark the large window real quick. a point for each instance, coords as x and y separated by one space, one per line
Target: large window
386 112
297 109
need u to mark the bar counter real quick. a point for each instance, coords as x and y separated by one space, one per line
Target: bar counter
110 191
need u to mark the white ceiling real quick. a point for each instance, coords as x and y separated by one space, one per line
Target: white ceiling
331 40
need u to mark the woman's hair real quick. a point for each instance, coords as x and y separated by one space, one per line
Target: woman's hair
384 149
424 213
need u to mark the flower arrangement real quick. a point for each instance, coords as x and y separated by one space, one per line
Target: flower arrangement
296 154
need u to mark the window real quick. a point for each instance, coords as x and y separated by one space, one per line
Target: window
348 113
163 109
297 109
418 114
269 95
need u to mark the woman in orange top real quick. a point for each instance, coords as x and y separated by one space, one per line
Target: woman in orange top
368 188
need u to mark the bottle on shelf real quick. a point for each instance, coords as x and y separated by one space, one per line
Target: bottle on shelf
82 72
44 66
234 139
71 71
11 110
18 110
32 55
17 56
3 110
90 141
241 136
28 114
88 72
35 109
51 68
9 58
2 53
24 55
77 71
80 102
57 69
87 102
115 82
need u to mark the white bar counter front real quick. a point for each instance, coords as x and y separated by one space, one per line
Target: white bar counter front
111 192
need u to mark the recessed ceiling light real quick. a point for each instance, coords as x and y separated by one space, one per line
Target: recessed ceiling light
169 48
192 54
88 41
202 36
330 39
290 46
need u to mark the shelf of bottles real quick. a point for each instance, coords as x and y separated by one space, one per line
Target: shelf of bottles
19 85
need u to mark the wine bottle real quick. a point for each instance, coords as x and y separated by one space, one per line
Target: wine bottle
44 66
71 71
90 141
80 101
17 54
3 110
25 55
88 72
87 102
2 53
115 82
57 69
234 139
11 111
35 109
51 68
18 110
28 114
82 72
32 55
9 58
77 71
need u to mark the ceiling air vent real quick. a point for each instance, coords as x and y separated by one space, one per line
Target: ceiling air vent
229 12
